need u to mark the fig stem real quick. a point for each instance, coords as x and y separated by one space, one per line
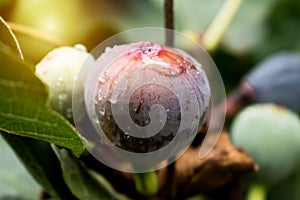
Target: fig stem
169 25
169 22
146 183
257 191
29 31
217 28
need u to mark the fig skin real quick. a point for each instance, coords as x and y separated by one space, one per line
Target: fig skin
271 135
146 59
58 70
276 79
273 80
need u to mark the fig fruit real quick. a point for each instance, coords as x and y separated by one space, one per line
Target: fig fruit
274 80
271 135
133 79
58 70
146 103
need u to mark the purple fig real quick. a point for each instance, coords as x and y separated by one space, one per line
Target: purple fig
276 80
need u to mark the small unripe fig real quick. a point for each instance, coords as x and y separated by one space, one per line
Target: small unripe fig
271 135
58 70
146 99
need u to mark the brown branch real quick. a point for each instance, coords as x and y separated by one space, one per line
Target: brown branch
170 181
169 22
225 164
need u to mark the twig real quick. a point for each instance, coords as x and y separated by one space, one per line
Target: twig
32 32
170 180
216 30
169 22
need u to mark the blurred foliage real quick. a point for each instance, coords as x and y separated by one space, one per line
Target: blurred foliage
259 29
14 179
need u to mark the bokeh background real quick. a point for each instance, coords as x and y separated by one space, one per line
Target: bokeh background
259 29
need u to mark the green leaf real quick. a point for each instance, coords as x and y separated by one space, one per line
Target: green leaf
8 40
16 183
83 182
23 109
42 163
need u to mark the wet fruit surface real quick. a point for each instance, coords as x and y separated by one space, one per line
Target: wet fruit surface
133 82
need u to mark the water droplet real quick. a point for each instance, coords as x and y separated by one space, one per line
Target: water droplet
168 110
102 111
102 79
173 72
80 47
100 96
63 96
69 113
95 102
114 97
107 49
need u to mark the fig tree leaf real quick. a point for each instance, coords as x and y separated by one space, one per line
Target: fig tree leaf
83 182
8 40
24 110
40 160
17 182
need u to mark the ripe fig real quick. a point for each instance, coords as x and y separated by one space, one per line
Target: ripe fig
271 135
274 80
146 101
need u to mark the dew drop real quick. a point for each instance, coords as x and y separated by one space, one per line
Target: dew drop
107 49
63 96
80 47
114 97
102 111
101 79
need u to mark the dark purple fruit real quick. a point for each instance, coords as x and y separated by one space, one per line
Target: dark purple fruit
133 82
276 80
